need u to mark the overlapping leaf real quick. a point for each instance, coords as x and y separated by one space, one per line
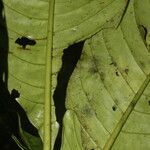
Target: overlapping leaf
108 94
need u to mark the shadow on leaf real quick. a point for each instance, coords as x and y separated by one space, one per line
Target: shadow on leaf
69 60
11 111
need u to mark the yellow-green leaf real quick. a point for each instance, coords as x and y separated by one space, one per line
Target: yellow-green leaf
109 91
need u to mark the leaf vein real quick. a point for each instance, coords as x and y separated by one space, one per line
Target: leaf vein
125 116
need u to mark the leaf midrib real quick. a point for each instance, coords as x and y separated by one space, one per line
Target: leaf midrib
125 116
48 78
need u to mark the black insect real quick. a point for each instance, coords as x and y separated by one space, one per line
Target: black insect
24 41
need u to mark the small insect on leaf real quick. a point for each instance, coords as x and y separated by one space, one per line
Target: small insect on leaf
24 41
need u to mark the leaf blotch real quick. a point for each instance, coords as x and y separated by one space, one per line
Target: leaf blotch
126 71
93 70
95 60
113 63
87 111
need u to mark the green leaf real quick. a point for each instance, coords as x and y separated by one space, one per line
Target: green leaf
72 128
31 70
31 141
108 93
74 20
142 11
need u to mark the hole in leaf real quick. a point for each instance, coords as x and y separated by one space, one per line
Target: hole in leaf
69 60
149 102
114 108
14 94
24 41
117 74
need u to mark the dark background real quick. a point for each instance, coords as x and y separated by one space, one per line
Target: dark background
6 142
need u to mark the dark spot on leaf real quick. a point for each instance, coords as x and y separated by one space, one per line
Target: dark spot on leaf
102 75
124 12
114 108
142 63
86 110
149 102
24 41
93 70
10 52
95 60
143 32
126 71
117 74
15 94
133 103
113 63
